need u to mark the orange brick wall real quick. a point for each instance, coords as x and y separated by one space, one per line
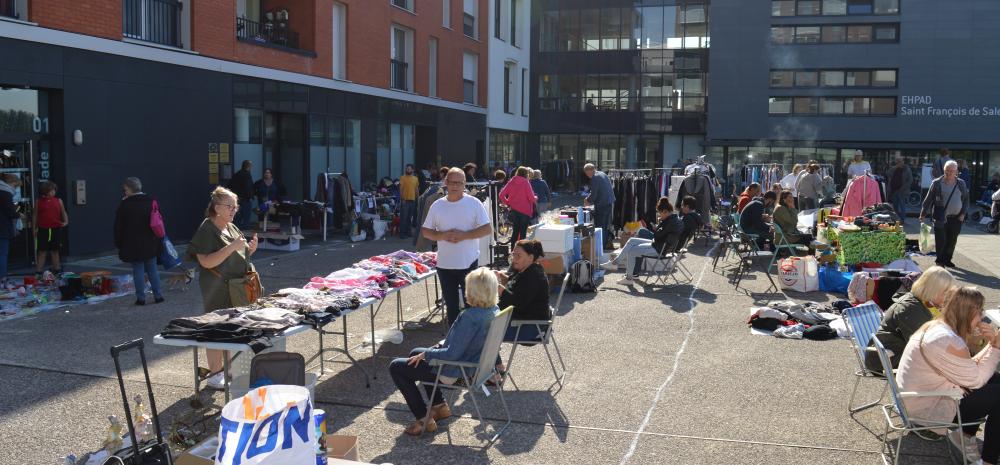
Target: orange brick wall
101 18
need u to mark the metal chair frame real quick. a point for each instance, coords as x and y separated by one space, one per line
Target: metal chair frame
749 253
863 322
783 244
546 336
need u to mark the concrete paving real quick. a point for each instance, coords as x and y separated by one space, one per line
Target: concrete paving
655 377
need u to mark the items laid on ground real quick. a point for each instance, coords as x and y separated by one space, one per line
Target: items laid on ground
32 296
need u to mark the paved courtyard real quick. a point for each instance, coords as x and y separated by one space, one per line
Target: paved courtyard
655 377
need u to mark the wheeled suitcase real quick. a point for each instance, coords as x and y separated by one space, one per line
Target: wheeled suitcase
152 452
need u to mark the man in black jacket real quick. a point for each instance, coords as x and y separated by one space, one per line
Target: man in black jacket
242 185
754 218
8 215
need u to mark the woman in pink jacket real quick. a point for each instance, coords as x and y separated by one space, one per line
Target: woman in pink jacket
519 196
938 359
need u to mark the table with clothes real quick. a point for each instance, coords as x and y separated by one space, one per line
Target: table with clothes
290 311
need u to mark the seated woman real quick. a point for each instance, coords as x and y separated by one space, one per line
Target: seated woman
692 221
787 217
526 288
667 234
464 343
909 312
937 358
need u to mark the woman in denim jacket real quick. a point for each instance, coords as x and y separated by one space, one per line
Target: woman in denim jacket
464 343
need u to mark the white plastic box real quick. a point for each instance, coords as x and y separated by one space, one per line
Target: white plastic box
555 238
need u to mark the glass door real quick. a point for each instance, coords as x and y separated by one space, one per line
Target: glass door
17 159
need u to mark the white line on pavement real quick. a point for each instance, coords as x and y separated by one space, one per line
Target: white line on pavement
670 378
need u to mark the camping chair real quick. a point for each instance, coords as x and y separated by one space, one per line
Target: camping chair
897 419
546 334
664 266
749 254
781 243
279 368
481 372
863 321
728 239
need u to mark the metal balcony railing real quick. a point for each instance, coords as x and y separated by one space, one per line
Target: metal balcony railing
397 74
8 8
157 21
269 33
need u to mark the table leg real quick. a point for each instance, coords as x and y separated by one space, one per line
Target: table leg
225 376
399 310
371 314
324 234
322 361
427 293
197 379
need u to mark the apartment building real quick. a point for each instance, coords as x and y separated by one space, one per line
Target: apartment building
180 92
509 64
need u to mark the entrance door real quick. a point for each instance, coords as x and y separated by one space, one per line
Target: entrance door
17 158
285 153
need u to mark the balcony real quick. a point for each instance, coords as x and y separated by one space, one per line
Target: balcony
398 74
157 21
275 34
8 9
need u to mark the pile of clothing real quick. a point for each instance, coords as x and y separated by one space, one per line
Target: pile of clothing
253 327
790 320
372 277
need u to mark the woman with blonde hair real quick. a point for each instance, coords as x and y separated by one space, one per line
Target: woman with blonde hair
222 254
937 359
909 312
464 343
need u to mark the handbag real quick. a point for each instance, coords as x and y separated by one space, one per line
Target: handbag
243 291
156 221
939 218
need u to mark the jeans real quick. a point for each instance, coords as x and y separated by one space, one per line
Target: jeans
4 252
898 200
407 216
644 233
634 248
984 402
602 219
453 289
149 267
242 218
406 377
945 239
520 223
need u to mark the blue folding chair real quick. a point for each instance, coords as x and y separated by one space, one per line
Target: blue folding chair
863 321
781 243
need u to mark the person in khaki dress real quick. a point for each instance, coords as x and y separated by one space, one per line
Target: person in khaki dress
222 254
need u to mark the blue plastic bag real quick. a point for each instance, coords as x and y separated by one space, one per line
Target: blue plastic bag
833 280
169 257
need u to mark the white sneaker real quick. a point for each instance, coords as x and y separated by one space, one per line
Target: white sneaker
609 266
626 281
216 381
971 450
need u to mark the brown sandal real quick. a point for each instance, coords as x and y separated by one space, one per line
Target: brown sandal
440 411
418 428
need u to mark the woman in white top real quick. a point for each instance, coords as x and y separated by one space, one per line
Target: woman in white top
791 180
938 358
858 167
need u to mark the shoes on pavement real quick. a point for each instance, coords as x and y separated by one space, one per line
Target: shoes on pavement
971 447
159 300
140 302
417 428
216 381
440 411
626 281
950 264
609 266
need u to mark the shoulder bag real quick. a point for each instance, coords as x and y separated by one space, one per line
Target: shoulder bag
156 221
939 211
246 290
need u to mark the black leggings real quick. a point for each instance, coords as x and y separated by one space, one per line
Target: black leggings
980 403
520 222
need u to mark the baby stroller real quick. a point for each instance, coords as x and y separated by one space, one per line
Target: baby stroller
994 225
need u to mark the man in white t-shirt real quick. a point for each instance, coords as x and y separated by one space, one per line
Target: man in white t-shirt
456 222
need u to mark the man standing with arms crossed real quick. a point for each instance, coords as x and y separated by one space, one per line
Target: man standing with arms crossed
456 222
408 192
602 197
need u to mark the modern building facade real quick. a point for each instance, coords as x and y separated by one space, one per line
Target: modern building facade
794 80
180 92
620 83
509 108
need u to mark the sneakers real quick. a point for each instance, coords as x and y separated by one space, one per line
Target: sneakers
216 381
971 449
626 281
609 266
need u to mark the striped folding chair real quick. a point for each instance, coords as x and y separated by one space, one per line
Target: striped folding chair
863 321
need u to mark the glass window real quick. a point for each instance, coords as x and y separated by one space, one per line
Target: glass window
694 14
805 105
317 131
609 92
834 34
782 78
782 34
673 32
887 7
859 7
831 106
832 79
807 35
859 33
779 105
858 79
883 105
856 106
696 35
569 34
884 78
835 7
805 79
652 28
629 20
887 33
783 8
549 35
808 8
611 28
691 84
589 30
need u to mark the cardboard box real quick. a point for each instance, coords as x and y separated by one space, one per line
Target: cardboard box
554 263
201 454
341 446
